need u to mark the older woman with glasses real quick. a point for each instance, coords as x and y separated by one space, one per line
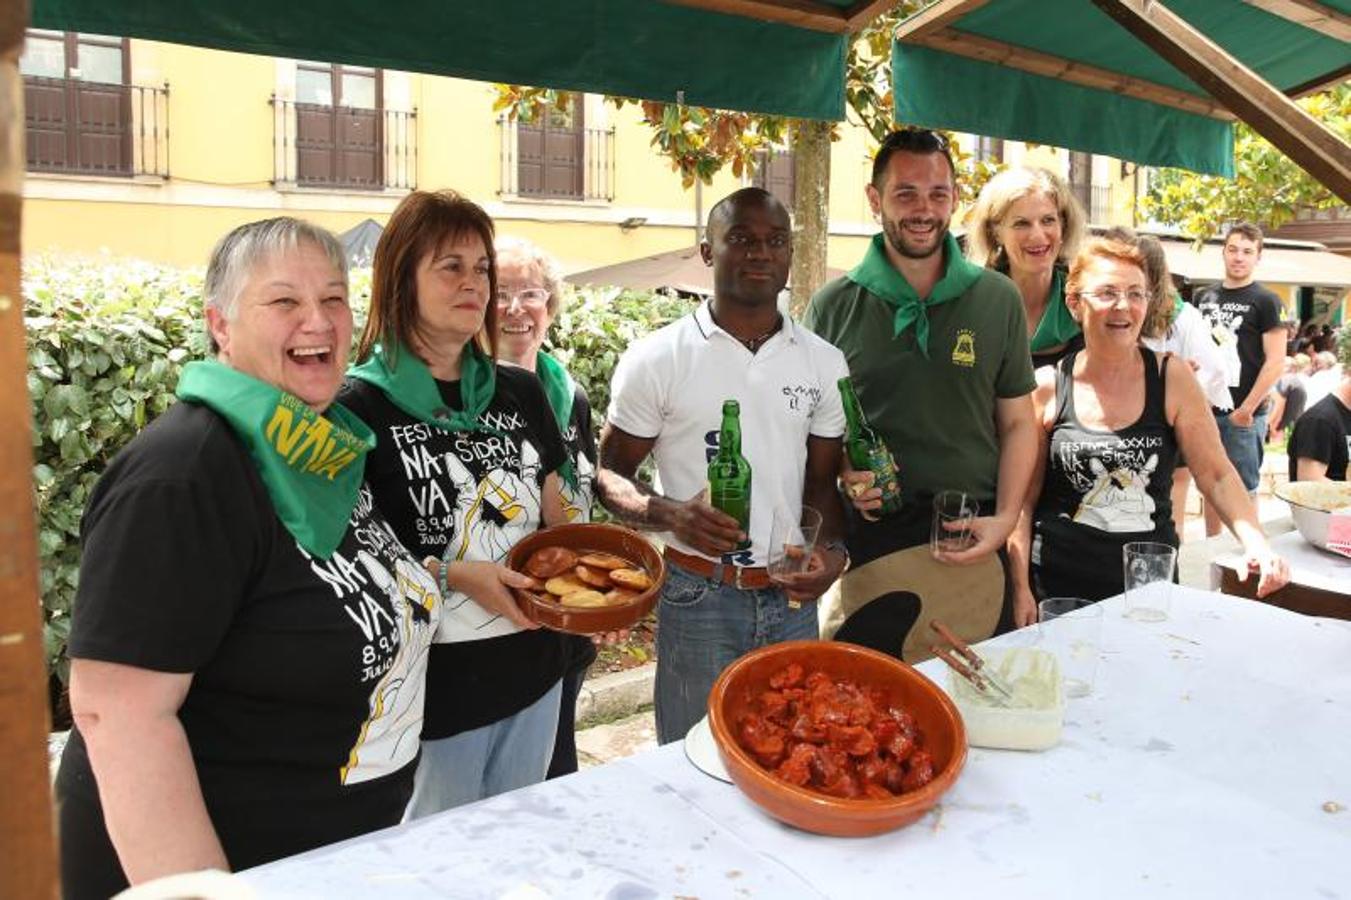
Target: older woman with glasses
1114 416
467 462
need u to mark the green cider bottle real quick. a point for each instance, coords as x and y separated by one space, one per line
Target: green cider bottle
866 449
729 474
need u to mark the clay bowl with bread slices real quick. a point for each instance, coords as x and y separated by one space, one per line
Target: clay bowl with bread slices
590 577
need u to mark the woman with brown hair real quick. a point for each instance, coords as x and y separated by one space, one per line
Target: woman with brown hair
466 464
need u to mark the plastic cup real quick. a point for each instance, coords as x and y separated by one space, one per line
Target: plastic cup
1072 629
1149 568
951 508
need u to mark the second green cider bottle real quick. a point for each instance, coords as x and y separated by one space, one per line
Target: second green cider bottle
729 474
867 451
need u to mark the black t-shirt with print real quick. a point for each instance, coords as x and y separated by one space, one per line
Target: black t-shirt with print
305 706
1238 319
1323 433
470 495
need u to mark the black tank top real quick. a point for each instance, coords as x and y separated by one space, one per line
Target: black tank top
1105 488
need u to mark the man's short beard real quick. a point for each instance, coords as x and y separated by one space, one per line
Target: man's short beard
896 239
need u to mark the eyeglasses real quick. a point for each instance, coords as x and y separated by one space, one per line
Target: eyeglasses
1111 296
526 296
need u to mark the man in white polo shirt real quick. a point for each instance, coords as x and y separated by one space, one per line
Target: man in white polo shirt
666 399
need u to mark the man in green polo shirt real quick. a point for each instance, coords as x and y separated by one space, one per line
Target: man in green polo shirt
937 348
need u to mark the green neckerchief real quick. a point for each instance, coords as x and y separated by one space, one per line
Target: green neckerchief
409 385
311 464
1057 325
561 391
1178 303
878 275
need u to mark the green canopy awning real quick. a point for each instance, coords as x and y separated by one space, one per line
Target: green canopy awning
1062 72
633 48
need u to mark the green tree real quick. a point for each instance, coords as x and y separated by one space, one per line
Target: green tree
1267 188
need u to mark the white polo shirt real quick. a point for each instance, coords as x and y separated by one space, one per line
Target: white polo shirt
671 384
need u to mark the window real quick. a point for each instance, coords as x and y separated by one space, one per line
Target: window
989 150
551 154
774 173
78 104
557 157
338 126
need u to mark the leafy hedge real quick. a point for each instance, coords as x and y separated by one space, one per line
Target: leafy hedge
595 327
107 340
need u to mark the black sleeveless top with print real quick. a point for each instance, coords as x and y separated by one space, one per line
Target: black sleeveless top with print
1103 489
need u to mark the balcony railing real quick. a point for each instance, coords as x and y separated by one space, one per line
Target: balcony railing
1100 204
556 164
344 147
79 127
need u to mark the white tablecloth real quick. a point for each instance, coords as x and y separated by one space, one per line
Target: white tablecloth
1309 566
1199 768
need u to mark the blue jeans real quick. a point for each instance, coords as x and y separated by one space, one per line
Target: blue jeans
508 754
702 626
1244 445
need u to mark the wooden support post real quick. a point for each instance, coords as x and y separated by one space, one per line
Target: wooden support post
27 835
811 210
1270 113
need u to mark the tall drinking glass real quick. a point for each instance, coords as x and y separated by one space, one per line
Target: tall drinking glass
951 528
1149 569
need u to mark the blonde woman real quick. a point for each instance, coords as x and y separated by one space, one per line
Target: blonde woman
1028 225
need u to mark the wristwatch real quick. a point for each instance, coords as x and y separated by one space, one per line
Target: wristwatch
844 551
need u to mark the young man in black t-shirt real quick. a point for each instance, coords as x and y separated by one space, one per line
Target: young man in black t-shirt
1321 444
1245 321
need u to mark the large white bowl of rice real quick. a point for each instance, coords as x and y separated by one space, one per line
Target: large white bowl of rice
1312 504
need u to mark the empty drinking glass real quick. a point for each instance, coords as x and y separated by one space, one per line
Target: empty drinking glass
1074 638
1149 569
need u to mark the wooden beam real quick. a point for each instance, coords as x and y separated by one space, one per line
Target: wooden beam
1311 14
27 836
984 49
802 13
1270 113
935 18
864 11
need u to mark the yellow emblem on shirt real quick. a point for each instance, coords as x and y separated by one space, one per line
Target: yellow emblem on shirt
964 351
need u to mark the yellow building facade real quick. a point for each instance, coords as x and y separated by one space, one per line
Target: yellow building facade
189 142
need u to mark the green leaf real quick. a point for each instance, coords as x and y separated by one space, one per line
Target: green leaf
72 447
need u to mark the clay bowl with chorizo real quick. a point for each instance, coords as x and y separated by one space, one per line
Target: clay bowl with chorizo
834 738
591 577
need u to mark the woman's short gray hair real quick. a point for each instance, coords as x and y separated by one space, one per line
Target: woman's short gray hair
551 277
237 254
1006 189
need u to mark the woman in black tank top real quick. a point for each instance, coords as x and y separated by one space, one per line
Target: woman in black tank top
1103 489
1115 417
